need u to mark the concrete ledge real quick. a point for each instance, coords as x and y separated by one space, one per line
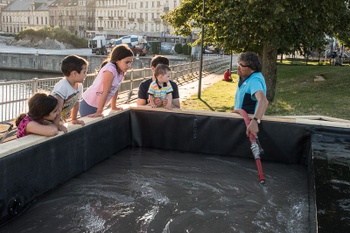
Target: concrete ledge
314 120
18 144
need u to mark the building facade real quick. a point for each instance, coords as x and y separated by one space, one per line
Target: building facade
87 18
21 14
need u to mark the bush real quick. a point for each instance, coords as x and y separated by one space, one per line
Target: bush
186 49
178 48
155 46
55 33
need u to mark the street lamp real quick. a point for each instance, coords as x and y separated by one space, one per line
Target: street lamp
201 57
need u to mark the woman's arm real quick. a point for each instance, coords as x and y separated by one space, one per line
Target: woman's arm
263 103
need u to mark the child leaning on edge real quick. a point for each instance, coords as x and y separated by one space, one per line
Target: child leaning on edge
69 90
104 89
43 109
161 87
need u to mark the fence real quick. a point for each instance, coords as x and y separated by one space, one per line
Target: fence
14 94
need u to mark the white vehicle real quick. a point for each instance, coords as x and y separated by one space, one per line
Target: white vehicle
99 45
137 43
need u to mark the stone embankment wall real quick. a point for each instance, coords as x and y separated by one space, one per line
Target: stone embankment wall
52 63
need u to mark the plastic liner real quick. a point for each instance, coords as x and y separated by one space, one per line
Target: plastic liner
282 142
28 174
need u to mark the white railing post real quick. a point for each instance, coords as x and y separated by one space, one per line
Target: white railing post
131 85
34 85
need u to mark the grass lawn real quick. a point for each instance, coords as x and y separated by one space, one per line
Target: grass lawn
297 92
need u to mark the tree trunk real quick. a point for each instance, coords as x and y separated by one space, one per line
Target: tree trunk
269 70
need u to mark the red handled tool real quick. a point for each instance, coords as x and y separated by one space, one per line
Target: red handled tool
254 145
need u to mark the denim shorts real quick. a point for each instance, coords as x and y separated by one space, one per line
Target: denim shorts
85 109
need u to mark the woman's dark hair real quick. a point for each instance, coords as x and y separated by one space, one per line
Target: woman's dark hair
251 60
118 53
72 63
40 105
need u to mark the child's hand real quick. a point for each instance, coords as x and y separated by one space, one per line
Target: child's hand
165 102
78 122
96 114
62 128
158 102
117 108
154 106
168 106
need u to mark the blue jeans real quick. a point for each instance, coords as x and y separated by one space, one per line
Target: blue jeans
85 109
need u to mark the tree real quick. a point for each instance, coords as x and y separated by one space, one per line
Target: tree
262 26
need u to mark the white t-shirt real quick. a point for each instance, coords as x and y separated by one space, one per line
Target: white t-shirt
69 94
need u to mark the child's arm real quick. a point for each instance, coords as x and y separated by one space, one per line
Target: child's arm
151 101
107 79
169 98
114 102
151 98
57 120
74 115
48 130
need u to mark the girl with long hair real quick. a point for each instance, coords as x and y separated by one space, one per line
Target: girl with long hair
104 89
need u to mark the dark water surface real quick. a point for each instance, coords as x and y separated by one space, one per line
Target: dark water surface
144 190
332 171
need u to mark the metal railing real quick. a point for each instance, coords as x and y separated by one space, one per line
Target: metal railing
14 95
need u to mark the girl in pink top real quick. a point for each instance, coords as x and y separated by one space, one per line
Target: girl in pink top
104 89
43 109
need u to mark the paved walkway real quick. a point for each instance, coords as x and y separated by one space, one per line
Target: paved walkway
187 90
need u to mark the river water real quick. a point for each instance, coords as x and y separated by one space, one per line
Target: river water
146 190
9 75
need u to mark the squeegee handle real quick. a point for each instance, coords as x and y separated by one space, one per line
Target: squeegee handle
252 139
260 171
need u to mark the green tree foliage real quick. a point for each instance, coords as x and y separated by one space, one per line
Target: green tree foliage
186 49
56 33
263 26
